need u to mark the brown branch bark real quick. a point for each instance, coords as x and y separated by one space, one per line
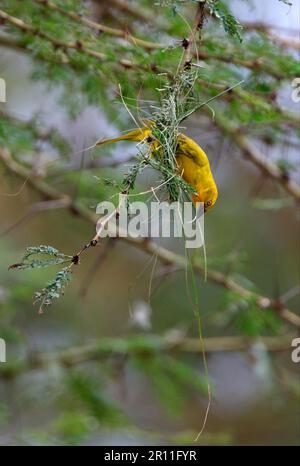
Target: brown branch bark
197 26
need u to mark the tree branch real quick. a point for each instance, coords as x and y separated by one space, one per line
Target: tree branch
108 347
80 47
253 154
197 26
101 27
267 29
57 43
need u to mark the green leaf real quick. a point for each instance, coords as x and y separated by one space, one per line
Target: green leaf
229 22
54 289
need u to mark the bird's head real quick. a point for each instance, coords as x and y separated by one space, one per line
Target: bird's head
208 196
211 200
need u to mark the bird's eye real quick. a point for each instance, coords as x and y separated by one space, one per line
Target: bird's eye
208 203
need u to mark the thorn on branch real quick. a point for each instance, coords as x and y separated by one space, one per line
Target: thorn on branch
285 176
185 43
74 210
75 259
187 65
273 96
278 305
57 47
268 140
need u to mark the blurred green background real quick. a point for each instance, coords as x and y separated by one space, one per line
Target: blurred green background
139 396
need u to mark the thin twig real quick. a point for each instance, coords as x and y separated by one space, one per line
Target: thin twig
34 210
197 27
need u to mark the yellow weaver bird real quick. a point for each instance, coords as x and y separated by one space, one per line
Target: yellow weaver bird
193 163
